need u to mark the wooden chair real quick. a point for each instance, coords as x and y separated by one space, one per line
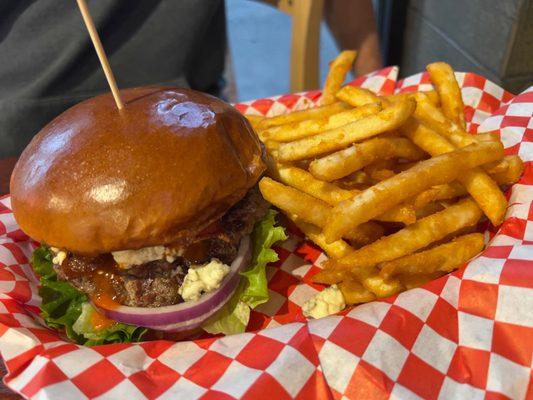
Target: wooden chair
306 17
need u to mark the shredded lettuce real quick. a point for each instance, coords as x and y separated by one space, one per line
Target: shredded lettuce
65 307
253 289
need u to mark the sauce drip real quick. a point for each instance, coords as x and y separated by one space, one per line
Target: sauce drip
102 270
104 295
99 321
197 252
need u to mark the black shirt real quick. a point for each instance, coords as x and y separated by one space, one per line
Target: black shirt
48 63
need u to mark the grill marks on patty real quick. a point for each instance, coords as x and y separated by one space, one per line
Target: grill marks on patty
156 283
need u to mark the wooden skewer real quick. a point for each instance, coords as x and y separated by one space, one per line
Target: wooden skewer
100 52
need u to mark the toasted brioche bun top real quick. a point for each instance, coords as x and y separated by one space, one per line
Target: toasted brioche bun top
96 180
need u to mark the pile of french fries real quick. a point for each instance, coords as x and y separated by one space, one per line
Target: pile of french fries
390 187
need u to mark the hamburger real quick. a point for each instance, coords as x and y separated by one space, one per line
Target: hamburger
149 218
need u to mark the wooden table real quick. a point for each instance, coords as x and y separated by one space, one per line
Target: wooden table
6 166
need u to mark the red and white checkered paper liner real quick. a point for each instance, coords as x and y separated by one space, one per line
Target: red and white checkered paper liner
467 335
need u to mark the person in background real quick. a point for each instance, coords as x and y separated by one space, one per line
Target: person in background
49 64
353 25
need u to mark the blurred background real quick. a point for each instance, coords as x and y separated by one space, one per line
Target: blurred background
491 37
260 46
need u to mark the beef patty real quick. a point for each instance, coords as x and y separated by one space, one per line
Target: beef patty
156 283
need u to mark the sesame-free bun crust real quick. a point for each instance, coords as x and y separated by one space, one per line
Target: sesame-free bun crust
95 180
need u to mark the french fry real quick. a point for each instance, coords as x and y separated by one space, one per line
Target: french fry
302 115
372 287
433 97
428 209
443 258
311 210
498 166
356 180
304 181
425 138
383 196
330 276
443 78
310 127
272 146
447 191
403 166
487 137
380 170
430 95
486 193
385 163
504 174
254 120
414 281
379 174
406 214
333 195
467 230
355 293
342 163
436 120
411 238
336 75
292 201
336 139
365 233
358 97
336 249
382 287
391 134
480 186
508 162
515 168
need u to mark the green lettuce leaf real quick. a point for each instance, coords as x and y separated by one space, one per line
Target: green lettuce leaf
42 262
65 307
61 306
233 318
116 333
264 236
253 290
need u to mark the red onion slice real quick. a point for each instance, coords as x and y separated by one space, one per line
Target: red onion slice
190 314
